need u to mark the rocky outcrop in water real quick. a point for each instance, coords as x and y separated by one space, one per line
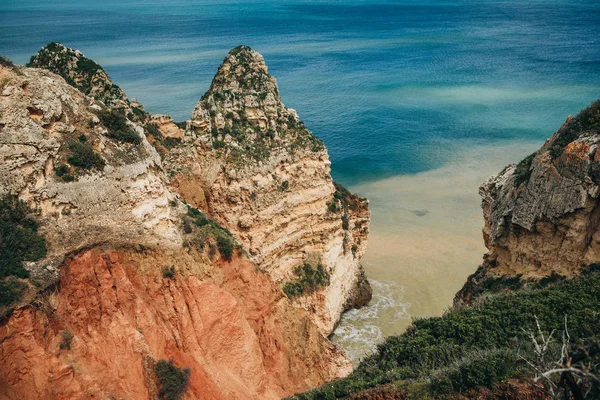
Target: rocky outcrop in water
135 272
249 162
542 215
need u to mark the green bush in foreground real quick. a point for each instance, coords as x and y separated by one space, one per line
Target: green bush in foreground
173 380
475 346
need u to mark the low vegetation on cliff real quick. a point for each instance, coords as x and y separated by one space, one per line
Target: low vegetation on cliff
587 121
486 344
173 380
243 116
19 242
83 156
204 232
79 71
117 127
308 279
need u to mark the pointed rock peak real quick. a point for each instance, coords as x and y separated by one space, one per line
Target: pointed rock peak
244 71
80 72
242 114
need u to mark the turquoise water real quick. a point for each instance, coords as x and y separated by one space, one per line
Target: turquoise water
392 87
417 101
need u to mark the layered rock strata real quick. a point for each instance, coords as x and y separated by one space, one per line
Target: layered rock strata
250 163
133 274
542 215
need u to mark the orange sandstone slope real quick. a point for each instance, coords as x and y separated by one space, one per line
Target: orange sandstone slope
98 311
239 335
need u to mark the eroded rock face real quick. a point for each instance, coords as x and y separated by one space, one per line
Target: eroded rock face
112 222
250 163
123 200
239 335
542 215
80 72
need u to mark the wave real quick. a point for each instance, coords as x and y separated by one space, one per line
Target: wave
360 330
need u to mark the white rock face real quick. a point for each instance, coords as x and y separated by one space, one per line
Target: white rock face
127 202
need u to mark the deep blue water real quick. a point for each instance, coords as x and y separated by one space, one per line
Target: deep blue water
392 87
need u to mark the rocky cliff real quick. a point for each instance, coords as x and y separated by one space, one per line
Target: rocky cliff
81 73
250 163
542 215
139 264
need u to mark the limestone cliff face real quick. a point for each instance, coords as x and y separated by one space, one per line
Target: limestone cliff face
542 215
113 223
251 164
80 72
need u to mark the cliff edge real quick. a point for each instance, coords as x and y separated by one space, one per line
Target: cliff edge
250 163
525 325
137 259
542 215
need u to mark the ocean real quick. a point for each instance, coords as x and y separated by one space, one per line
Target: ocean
417 101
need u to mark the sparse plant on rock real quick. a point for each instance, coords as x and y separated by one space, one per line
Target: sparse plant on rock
173 381
206 231
168 272
83 156
308 279
66 339
117 127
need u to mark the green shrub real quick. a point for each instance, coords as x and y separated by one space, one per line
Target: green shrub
61 170
332 206
226 246
83 156
207 231
168 142
171 142
284 186
117 127
173 381
168 272
523 170
497 284
308 279
587 120
66 339
480 369
19 240
345 221
11 290
6 62
547 280
433 347
128 136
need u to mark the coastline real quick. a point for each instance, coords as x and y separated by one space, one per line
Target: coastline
425 240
